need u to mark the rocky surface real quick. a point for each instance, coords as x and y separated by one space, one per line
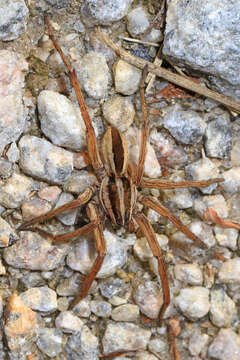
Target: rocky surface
44 163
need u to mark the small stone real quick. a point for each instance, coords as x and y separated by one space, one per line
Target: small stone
125 336
34 207
137 21
83 345
82 308
126 312
218 203
117 300
218 138
203 169
13 153
127 78
102 12
79 181
59 4
226 346
83 255
50 341
20 324
7 234
32 279
189 273
119 112
41 159
2 272
67 217
40 298
61 121
193 302
94 75
111 287
232 180
50 193
145 355
101 308
5 168
34 253
229 272
70 286
68 322
13 19
204 232
154 35
226 237
158 345
142 250
148 297
185 126
180 198
197 343
14 190
222 310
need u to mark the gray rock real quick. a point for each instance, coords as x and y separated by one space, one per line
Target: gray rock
148 297
226 237
126 77
61 120
83 308
68 322
39 158
126 312
222 309
13 19
7 234
13 153
197 342
193 302
185 126
101 308
49 341
111 287
79 181
196 37
59 4
82 345
70 286
94 74
67 217
226 346
218 138
137 21
189 273
15 190
104 12
204 232
124 336
5 168
34 253
40 299
229 272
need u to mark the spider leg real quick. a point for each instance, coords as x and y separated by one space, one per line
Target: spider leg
165 184
100 244
82 199
162 210
145 131
93 152
147 230
63 238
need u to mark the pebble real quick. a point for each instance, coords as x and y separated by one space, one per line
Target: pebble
39 158
82 257
119 112
67 217
225 346
2 272
20 325
68 323
158 345
204 232
61 120
14 190
12 114
31 279
94 74
180 198
34 207
137 21
7 234
142 249
50 193
82 345
79 181
127 78
232 180
5 168
203 169
125 336
193 302
101 12
218 138
197 342
145 355
222 309
111 287
101 308
226 237
229 272
217 202
13 153
34 253
126 312
83 308
189 273
149 298
49 341
13 19
186 127
40 299
70 286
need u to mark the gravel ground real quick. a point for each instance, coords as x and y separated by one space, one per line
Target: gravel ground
43 166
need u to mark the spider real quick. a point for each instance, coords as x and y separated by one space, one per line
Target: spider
118 191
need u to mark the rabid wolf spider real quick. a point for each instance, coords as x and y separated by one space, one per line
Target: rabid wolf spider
118 191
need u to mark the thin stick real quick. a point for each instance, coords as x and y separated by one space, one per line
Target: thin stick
171 77
148 43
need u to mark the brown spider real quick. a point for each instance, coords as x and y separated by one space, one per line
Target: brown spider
118 191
